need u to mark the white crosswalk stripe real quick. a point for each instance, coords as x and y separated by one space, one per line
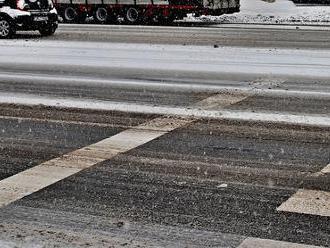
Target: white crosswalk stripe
52 171
267 243
314 202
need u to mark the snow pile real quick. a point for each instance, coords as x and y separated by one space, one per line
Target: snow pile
278 12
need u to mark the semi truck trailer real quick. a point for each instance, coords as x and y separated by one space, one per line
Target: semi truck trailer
141 11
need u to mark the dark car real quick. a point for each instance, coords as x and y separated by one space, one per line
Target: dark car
27 15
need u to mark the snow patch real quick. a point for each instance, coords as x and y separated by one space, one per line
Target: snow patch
14 13
278 12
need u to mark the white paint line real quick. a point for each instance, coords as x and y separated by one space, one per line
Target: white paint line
312 202
309 201
324 171
164 124
52 171
267 243
29 181
217 102
11 244
36 178
193 112
303 119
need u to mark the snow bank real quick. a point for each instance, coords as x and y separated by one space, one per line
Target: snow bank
278 12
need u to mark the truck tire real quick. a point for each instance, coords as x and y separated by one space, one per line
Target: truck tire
132 16
101 15
70 15
48 30
7 28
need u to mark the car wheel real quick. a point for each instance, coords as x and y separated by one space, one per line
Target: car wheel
7 29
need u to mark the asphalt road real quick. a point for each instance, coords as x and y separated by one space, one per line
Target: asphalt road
208 34
208 184
138 145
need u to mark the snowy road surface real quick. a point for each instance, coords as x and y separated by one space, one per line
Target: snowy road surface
276 12
210 34
156 145
252 61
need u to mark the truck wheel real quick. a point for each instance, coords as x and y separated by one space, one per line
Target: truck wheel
101 15
48 31
132 16
7 29
69 15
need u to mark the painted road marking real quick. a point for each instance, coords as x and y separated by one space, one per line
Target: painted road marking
52 171
324 171
194 111
267 243
216 102
314 202
29 181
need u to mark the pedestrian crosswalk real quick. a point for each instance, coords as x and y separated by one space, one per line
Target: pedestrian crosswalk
314 202
266 243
